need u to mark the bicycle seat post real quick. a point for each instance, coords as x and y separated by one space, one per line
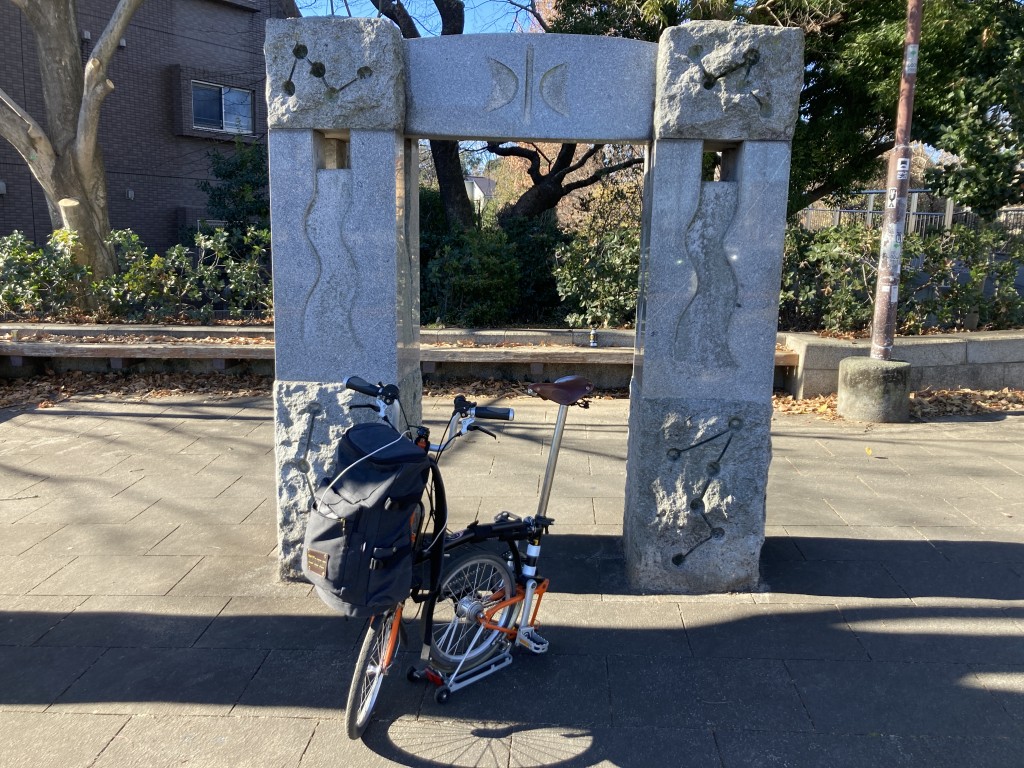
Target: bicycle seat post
549 473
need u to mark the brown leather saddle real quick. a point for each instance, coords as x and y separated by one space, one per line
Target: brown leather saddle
567 390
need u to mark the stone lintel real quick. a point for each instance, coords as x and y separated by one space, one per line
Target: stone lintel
724 81
335 74
531 87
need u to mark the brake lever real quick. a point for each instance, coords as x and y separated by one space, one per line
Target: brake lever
478 428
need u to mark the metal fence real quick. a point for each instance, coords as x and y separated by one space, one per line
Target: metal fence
926 214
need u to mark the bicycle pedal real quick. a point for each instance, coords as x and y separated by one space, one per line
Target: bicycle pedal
529 639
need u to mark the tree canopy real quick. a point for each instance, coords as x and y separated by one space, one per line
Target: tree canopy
969 89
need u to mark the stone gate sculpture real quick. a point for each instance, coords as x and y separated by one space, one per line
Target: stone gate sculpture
347 101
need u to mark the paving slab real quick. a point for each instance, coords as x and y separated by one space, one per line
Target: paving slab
755 694
162 681
938 699
215 742
889 631
282 623
25 619
115 575
19 574
135 622
236 576
32 678
51 740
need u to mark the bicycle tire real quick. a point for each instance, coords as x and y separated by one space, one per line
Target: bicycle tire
475 581
378 651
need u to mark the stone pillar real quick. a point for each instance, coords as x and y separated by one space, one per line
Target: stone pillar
346 286
700 410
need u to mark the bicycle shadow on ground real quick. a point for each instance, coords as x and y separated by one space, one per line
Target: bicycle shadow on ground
912 654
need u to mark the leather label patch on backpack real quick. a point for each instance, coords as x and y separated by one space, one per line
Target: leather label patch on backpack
316 562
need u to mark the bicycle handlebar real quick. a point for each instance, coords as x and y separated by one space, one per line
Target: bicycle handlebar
490 412
466 409
388 393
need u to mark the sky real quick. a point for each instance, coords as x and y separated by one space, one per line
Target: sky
481 15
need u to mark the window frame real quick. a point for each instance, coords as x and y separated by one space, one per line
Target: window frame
250 130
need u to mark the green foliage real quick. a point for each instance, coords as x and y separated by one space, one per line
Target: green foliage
986 112
597 278
240 198
486 276
969 97
473 280
186 286
962 279
181 285
534 242
40 282
829 278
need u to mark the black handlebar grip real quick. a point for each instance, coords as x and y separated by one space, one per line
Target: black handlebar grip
490 412
362 386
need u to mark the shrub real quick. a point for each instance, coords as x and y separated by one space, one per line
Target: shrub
597 276
184 286
40 282
489 275
949 280
964 278
473 280
828 279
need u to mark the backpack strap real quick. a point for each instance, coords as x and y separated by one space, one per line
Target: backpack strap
383 557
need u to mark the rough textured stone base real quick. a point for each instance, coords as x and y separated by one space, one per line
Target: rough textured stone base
874 390
695 494
309 419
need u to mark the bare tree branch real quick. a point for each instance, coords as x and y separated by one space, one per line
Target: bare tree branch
97 86
453 16
531 155
531 8
399 15
601 173
594 149
27 136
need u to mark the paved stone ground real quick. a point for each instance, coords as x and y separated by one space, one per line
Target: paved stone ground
141 625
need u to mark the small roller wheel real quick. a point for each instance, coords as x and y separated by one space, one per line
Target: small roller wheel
442 694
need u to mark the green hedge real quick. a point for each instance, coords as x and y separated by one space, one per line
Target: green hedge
183 285
493 277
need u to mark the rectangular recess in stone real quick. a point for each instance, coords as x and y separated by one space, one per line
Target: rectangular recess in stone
543 87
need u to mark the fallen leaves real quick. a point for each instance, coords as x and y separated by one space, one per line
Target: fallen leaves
51 389
924 405
134 338
964 402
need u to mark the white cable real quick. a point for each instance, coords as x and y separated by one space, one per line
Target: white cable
342 473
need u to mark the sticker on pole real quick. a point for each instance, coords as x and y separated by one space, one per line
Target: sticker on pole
903 168
890 197
910 60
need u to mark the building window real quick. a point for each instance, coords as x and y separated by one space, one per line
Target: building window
220 108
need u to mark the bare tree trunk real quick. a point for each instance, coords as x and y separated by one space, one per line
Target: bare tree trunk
65 158
458 210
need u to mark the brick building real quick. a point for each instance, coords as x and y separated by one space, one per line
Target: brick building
189 78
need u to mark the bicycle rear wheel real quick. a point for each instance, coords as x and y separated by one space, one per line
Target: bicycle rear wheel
471 585
379 649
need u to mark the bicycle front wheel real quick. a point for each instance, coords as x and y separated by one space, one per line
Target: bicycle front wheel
379 649
470 587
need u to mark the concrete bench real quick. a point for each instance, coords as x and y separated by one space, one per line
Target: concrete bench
484 353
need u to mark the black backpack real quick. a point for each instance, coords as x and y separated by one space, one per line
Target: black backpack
358 544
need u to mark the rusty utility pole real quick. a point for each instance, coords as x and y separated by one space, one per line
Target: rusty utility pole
883 327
